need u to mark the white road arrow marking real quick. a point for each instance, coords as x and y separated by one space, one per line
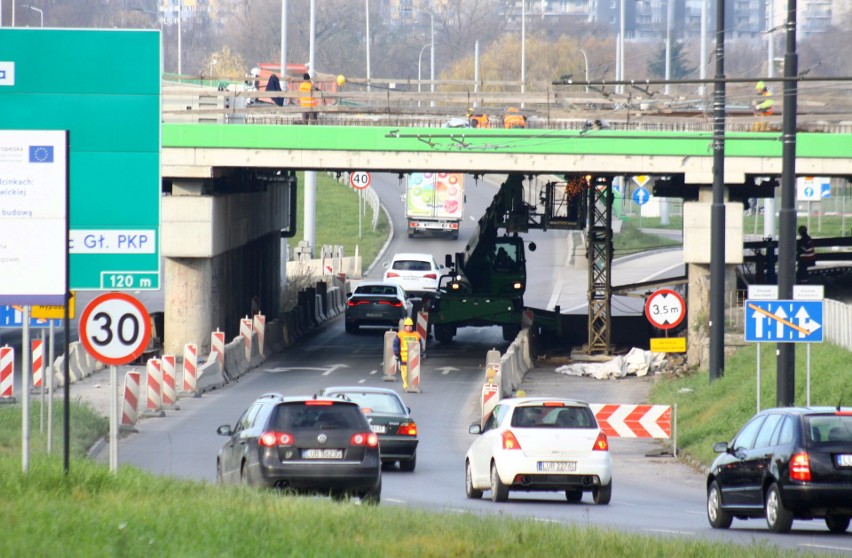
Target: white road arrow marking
447 369
326 370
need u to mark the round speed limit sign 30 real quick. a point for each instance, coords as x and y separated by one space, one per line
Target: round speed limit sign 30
665 309
115 328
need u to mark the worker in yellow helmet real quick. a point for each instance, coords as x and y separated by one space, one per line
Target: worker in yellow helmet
400 347
765 105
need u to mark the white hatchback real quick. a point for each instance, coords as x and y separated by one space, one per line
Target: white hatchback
538 444
417 273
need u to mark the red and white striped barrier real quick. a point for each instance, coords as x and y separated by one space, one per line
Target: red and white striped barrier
634 421
490 397
389 360
168 367
130 406
190 367
155 380
38 362
217 346
413 367
7 371
259 326
421 326
245 333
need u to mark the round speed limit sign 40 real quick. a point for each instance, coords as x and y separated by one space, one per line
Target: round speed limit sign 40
115 328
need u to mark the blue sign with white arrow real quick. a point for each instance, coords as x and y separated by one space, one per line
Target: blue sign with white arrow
641 196
13 316
783 321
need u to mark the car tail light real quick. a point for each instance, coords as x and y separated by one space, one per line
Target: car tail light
517 285
553 404
800 467
409 429
394 303
319 403
392 274
430 276
355 302
601 443
509 441
369 439
273 439
843 413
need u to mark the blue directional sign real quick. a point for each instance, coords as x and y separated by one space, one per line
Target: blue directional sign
825 190
783 321
641 196
13 316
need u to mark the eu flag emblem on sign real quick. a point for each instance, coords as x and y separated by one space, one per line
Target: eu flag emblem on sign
41 154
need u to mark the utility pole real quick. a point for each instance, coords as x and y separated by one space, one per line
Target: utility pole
786 365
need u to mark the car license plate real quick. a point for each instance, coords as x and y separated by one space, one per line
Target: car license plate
373 315
844 460
557 466
379 428
322 454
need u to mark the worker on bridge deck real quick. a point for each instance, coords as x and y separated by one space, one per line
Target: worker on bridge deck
307 100
765 105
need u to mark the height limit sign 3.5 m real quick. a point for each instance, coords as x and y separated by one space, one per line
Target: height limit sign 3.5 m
665 309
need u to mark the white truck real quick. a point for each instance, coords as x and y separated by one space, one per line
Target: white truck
434 201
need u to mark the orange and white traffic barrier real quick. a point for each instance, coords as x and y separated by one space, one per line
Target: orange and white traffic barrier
130 406
38 362
245 333
217 346
7 372
422 327
634 421
155 380
168 368
190 367
490 397
413 367
259 326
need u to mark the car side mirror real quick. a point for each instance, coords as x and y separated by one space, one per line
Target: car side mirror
224 430
386 265
475 428
532 246
720 447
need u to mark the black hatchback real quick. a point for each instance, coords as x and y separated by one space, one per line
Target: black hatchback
785 464
302 444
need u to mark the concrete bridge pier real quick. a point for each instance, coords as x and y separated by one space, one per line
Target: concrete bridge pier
696 254
221 238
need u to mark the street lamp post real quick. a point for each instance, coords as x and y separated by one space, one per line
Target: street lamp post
419 60
586 60
180 17
40 13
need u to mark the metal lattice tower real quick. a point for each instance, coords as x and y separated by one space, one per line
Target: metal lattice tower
599 254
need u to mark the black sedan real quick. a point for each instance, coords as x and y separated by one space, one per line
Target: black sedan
302 444
389 417
785 464
377 304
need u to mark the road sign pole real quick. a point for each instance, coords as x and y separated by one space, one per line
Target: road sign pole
758 377
49 372
113 418
25 391
808 374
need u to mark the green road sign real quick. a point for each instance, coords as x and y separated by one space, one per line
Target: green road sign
103 86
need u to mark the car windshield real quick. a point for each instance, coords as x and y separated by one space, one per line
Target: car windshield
296 416
373 402
829 428
542 416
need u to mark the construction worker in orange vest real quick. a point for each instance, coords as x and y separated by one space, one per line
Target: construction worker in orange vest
400 347
307 100
765 106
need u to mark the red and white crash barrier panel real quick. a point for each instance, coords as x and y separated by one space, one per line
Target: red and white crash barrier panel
217 346
490 397
421 326
259 326
413 367
634 421
38 362
190 367
389 360
245 333
7 372
155 379
168 367
130 406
